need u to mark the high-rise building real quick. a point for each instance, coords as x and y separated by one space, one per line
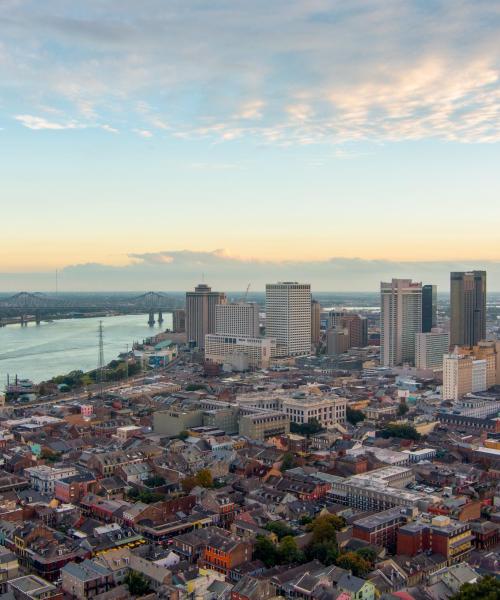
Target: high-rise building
288 317
430 348
334 317
315 321
358 330
179 320
337 341
200 313
400 321
463 374
467 308
429 307
237 318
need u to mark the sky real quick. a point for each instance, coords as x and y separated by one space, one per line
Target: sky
143 144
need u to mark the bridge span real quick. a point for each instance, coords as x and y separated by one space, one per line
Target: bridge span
27 306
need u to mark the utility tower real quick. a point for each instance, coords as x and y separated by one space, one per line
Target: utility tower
100 364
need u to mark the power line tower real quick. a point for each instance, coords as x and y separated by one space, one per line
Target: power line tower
100 364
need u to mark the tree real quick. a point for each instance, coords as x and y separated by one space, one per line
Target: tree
486 589
154 481
136 583
204 478
323 545
287 462
183 435
402 408
355 563
194 387
265 551
325 552
288 551
368 554
324 528
280 528
312 427
404 431
354 416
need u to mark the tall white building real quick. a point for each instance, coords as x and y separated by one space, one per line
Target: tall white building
400 321
239 318
430 348
200 313
288 317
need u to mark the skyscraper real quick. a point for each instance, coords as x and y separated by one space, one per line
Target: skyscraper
400 321
429 308
358 329
288 317
200 313
467 308
315 321
238 318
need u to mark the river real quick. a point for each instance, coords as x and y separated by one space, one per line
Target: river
39 352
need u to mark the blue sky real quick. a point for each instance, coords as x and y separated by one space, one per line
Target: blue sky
284 133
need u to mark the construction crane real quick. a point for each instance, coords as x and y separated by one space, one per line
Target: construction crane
246 293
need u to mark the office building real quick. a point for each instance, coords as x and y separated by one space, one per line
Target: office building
264 425
429 308
400 321
288 317
439 535
327 411
357 327
200 313
467 308
237 318
430 348
337 341
315 321
457 376
179 320
334 317
238 352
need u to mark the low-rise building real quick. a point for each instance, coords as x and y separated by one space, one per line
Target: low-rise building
43 478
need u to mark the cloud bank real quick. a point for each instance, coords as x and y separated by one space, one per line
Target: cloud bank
182 270
285 72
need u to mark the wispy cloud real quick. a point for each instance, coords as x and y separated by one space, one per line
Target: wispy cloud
308 71
33 122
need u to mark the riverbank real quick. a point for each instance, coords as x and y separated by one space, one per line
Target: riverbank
40 352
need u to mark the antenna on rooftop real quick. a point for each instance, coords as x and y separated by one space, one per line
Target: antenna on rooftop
100 364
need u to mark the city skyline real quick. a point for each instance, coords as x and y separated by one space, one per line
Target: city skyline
130 133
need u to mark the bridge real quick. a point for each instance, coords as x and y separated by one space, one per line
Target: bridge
26 306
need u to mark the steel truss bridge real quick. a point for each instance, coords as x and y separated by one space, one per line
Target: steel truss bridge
36 306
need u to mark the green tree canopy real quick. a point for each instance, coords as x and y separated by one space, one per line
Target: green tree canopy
288 551
265 551
354 562
280 528
137 583
407 432
486 589
354 416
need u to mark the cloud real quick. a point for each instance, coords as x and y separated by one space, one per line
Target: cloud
178 270
307 71
38 123
145 133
